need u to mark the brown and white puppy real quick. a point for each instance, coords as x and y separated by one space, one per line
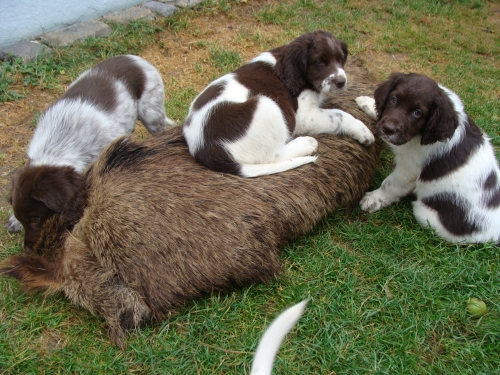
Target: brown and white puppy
101 105
441 155
245 122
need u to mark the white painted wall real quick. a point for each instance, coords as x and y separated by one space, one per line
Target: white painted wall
27 19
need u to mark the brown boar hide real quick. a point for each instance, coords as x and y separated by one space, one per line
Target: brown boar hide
160 229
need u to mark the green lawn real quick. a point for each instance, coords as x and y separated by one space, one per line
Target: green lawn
386 295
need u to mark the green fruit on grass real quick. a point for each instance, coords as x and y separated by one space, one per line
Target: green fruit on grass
476 307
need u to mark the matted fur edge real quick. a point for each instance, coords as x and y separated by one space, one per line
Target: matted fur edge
160 230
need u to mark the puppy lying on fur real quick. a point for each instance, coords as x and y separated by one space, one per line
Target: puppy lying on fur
101 105
441 155
243 123
159 229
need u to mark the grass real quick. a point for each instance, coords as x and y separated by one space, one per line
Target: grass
387 296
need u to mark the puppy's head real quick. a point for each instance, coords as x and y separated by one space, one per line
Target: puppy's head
42 192
314 60
413 104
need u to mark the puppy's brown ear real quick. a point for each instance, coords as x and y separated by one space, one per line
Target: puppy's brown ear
291 64
384 90
63 191
443 120
14 182
343 45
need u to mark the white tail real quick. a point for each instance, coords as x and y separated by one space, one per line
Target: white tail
273 337
255 170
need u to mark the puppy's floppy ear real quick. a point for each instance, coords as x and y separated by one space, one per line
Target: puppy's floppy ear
384 90
291 64
442 122
343 45
14 182
62 190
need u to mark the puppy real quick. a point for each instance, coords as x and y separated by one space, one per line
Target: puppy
243 123
102 104
273 337
441 155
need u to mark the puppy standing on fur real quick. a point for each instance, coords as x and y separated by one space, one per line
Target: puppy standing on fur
440 154
101 105
243 122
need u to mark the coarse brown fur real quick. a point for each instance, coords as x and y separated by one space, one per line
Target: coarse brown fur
160 229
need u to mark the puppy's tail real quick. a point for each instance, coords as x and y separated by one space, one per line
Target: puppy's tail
273 337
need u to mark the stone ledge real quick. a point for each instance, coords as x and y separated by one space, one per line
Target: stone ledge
130 14
29 50
161 8
76 33
188 3
24 50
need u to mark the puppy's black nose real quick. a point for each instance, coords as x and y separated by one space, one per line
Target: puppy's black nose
389 128
339 82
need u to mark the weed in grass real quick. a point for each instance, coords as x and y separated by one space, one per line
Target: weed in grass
177 102
223 60
387 296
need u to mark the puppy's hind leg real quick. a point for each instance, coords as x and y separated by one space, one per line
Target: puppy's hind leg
294 154
300 146
255 170
151 107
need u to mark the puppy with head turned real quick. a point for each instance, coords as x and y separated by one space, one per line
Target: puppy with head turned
101 105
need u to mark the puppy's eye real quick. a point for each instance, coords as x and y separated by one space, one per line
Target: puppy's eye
34 220
417 113
393 99
319 62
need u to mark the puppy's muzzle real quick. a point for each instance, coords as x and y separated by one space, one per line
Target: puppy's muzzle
388 127
336 82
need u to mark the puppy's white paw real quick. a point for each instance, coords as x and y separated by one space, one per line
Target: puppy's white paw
373 201
367 105
362 134
13 225
298 147
305 146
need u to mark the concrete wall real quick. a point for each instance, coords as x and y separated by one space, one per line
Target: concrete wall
27 19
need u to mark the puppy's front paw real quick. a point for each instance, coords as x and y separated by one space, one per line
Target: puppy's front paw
367 105
364 135
373 201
